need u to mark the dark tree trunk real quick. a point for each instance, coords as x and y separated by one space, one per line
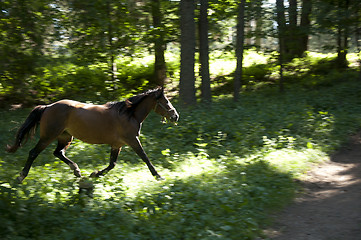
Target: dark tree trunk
188 40
259 24
358 45
305 25
281 21
239 50
342 34
292 44
204 51
292 9
111 55
160 69
341 51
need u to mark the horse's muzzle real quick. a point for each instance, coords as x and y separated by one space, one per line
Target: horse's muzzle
174 117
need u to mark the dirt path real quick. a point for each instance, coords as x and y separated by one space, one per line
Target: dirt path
330 208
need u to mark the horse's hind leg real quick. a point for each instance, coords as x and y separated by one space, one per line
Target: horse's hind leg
40 146
64 140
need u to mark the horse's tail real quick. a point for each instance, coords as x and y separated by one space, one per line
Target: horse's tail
28 128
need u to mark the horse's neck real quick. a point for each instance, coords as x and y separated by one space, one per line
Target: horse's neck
143 109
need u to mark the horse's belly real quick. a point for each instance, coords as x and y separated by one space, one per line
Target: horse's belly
92 130
93 137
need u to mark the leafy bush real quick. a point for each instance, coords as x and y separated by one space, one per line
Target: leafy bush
91 82
66 81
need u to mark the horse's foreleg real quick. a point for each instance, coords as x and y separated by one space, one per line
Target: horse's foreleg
113 160
137 147
64 140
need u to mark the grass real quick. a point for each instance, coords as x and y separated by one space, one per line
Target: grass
227 166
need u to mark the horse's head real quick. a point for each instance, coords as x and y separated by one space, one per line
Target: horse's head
164 107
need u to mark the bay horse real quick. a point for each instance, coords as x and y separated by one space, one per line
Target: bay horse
115 123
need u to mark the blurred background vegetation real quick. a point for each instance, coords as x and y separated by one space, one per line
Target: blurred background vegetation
53 49
228 164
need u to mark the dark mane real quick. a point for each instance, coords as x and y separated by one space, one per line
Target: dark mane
129 105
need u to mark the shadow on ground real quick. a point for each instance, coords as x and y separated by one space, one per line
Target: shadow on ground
330 206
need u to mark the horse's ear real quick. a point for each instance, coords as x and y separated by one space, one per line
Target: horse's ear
128 103
160 92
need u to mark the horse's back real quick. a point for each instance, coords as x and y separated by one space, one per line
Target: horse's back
60 111
87 122
69 104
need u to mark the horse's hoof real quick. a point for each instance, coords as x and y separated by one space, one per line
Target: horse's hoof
94 174
19 179
77 173
159 178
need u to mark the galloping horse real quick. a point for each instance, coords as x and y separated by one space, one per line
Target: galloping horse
116 124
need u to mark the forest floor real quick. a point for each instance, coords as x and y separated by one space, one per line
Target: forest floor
329 208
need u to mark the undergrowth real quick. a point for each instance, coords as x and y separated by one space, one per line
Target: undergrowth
227 166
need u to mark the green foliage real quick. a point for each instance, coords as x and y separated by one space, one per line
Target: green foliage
134 73
22 40
317 70
226 167
256 73
86 83
67 81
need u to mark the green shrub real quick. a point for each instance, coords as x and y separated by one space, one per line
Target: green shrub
256 73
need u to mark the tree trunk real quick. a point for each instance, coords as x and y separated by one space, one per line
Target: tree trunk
160 69
292 9
239 50
258 41
259 24
342 34
305 25
291 45
187 41
204 51
111 55
341 48
281 21
258 18
358 45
